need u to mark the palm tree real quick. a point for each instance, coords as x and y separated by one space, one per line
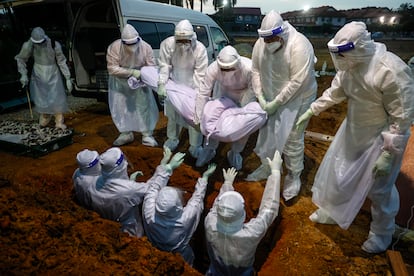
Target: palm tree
224 4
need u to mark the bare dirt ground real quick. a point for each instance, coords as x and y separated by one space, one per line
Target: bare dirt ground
43 231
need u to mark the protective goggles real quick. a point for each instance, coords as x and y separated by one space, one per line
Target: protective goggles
183 41
93 163
270 33
131 41
337 49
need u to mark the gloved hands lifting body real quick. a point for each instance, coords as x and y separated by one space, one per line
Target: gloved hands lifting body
136 73
303 119
175 161
269 107
383 164
162 91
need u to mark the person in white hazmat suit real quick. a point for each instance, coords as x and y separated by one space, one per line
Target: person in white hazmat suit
46 84
285 85
230 76
86 175
116 197
183 59
365 157
232 243
132 109
169 225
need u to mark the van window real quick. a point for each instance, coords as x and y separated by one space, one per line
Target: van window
153 32
219 38
201 34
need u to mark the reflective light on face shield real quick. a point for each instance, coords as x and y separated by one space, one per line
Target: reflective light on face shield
270 33
338 49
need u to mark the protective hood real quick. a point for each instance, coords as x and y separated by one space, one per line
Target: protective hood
351 46
184 31
38 35
273 25
88 162
129 35
113 163
228 58
411 63
169 202
230 212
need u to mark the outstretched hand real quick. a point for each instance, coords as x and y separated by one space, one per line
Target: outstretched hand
177 160
276 162
167 156
211 168
229 175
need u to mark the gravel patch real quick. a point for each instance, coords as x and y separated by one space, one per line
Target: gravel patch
22 113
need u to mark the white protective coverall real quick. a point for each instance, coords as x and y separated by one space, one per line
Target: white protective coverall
131 109
379 88
231 243
46 85
168 224
86 175
284 75
184 64
117 198
229 76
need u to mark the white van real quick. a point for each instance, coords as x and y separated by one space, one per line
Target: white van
98 24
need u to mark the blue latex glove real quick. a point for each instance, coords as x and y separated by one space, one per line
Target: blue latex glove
303 119
276 162
136 73
383 164
211 168
229 175
271 107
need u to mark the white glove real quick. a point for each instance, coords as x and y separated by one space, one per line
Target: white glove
24 80
271 107
276 163
303 119
69 85
383 164
136 73
136 174
262 101
209 171
162 91
167 156
176 160
229 175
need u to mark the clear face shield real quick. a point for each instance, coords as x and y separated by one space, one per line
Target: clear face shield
339 56
272 39
228 64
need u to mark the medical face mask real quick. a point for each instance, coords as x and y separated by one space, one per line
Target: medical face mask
342 63
274 46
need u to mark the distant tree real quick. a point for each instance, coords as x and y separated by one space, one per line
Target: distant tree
406 10
170 2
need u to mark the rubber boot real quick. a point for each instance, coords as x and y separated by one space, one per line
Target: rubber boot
59 121
124 138
291 186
